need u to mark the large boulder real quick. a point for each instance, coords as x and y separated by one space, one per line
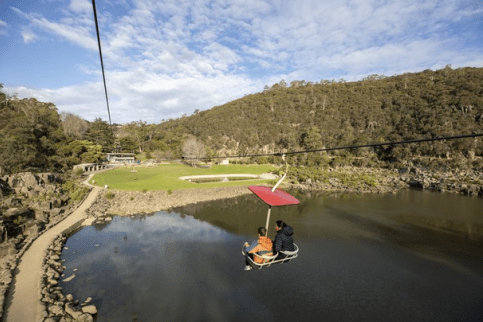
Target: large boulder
7 248
31 229
25 179
39 190
91 309
48 177
85 318
69 308
56 203
56 310
13 213
416 184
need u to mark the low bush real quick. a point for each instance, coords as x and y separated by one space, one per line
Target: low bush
79 193
76 192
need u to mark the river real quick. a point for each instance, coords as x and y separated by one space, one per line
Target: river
410 256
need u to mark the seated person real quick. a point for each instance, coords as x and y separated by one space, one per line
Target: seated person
263 246
283 240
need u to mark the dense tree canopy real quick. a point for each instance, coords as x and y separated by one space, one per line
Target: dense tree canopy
294 117
376 109
101 134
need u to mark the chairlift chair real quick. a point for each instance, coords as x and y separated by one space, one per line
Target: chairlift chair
273 197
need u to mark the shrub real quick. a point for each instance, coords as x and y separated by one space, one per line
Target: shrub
79 193
132 198
170 192
272 182
109 195
145 190
370 181
76 192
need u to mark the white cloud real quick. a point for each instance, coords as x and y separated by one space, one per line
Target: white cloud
140 94
166 58
28 36
81 6
80 35
3 27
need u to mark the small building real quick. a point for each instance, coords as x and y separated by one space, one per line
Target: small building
91 167
224 162
120 157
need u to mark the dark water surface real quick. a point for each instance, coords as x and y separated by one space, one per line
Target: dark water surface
362 258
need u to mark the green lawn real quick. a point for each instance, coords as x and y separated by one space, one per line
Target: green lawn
165 176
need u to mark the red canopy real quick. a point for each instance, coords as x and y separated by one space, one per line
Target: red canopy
276 198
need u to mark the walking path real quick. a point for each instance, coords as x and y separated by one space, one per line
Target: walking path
23 298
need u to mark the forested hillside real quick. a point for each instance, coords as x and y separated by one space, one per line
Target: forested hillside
337 113
284 117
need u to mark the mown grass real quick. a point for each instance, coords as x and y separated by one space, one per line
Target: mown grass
166 177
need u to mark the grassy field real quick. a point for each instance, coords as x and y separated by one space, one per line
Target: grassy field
165 176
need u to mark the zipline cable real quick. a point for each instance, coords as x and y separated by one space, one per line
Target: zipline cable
102 63
349 147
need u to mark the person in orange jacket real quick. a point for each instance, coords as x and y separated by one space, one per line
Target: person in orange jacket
263 246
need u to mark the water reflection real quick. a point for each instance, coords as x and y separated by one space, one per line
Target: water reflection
356 262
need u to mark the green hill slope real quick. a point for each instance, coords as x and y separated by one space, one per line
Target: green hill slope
327 114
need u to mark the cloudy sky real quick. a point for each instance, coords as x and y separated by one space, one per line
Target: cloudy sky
167 58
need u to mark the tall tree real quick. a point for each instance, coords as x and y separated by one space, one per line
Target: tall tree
101 134
139 131
74 126
193 148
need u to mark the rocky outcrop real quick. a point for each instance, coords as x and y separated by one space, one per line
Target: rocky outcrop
31 184
383 181
29 202
29 205
469 183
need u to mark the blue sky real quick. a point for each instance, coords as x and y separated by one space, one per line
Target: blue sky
167 58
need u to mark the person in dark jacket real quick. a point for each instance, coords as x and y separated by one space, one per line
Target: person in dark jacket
283 240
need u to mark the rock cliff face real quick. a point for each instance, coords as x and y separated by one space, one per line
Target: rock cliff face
30 201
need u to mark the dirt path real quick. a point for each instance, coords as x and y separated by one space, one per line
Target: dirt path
23 298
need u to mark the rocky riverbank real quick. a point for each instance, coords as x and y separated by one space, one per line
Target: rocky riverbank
31 204
56 306
118 202
466 182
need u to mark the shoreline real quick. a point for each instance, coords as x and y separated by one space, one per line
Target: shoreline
23 298
96 207
124 203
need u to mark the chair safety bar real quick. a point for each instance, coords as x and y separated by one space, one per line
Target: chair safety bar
269 260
